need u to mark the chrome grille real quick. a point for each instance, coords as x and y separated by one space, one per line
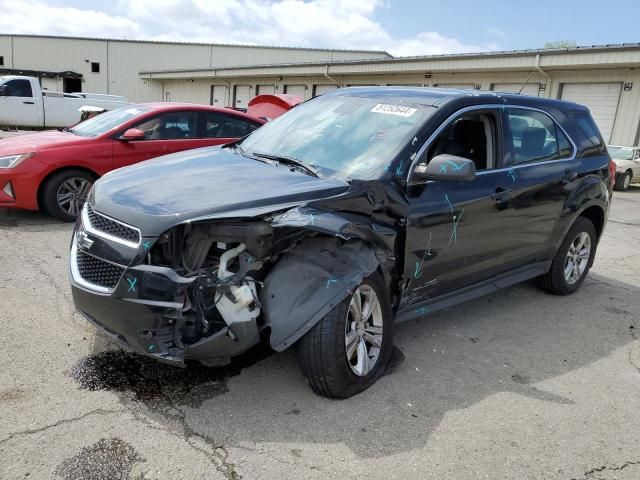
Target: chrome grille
111 227
98 272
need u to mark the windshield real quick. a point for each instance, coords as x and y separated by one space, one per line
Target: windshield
104 122
342 135
621 153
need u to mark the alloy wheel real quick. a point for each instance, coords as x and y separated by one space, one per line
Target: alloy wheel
72 194
577 258
363 330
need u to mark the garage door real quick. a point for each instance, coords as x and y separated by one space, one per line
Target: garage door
320 89
455 85
532 89
266 90
242 96
600 98
297 90
218 94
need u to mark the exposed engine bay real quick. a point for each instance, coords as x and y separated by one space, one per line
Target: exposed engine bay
242 281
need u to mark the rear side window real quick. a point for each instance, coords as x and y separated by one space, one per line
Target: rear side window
587 127
220 125
170 126
18 88
532 136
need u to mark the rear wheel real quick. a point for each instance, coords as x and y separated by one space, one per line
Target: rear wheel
350 348
573 260
65 192
623 180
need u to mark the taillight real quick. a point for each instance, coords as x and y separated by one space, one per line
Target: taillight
612 173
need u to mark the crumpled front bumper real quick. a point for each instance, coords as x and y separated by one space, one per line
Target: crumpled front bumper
145 311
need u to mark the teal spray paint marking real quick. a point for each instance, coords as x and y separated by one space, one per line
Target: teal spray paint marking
147 245
422 310
427 252
132 285
312 217
399 168
512 174
455 166
454 232
331 281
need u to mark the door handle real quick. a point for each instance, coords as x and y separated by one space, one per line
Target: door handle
569 176
29 103
501 194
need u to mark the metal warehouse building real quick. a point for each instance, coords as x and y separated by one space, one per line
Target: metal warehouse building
605 78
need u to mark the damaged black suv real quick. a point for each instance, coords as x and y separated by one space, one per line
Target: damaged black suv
357 209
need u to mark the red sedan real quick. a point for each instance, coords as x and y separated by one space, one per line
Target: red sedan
54 170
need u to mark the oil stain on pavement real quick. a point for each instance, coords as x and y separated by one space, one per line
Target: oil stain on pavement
107 459
157 384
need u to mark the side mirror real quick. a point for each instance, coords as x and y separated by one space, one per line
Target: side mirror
132 134
445 168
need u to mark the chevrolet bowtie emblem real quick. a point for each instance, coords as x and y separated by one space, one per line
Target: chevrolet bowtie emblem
83 240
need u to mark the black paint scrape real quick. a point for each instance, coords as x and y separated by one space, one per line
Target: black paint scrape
156 383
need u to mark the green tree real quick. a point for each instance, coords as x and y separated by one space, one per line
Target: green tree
561 44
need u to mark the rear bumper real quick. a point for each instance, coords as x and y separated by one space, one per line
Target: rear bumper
145 312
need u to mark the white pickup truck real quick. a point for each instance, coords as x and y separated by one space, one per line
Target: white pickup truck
24 104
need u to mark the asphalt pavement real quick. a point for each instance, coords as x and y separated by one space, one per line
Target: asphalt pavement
517 385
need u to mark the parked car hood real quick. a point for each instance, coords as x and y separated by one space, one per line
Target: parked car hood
210 182
35 142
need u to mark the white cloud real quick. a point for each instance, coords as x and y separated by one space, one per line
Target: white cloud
313 23
33 16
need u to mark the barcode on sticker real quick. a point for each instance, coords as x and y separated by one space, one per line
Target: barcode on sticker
399 110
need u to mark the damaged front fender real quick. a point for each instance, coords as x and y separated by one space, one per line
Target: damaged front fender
309 281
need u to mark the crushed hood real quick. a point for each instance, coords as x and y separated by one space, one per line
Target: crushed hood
35 142
203 183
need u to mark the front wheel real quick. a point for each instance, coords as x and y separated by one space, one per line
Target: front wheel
573 259
623 181
65 192
350 348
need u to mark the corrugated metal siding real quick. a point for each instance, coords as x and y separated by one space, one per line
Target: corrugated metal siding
5 51
126 59
190 92
57 55
227 56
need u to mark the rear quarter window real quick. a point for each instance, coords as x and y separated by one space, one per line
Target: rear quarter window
590 140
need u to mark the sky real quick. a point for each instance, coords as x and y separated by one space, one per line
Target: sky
400 27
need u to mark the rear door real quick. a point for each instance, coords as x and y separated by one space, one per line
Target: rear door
541 171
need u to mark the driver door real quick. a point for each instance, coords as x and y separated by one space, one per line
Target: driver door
455 230
165 133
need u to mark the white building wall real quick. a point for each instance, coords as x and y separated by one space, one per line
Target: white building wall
5 51
60 54
625 129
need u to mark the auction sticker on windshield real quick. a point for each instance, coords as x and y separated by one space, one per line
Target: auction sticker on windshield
399 110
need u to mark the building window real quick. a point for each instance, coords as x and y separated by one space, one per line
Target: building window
95 67
1 60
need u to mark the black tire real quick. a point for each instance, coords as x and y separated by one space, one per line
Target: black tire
322 350
623 180
50 193
554 281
